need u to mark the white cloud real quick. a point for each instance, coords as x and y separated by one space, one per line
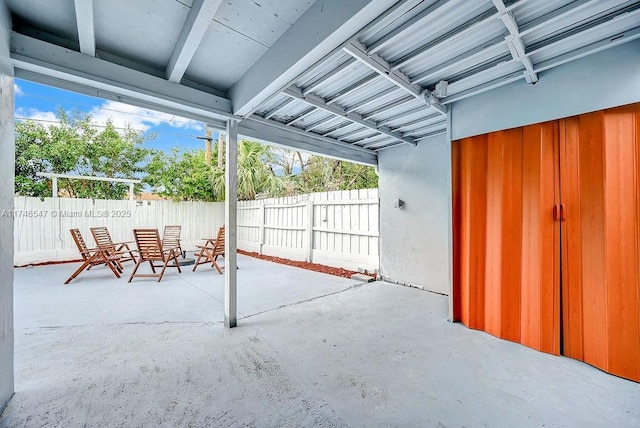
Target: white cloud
45 117
139 118
17 90
121 115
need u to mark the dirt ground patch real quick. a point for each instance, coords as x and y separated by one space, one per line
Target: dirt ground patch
304 265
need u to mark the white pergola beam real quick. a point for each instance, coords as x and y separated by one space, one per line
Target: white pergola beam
378 64
84 22
514 41
321 103
56 63
193 31
231 226
319 31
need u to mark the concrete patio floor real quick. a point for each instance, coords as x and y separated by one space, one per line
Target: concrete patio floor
309 350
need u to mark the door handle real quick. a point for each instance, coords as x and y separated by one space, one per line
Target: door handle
558 212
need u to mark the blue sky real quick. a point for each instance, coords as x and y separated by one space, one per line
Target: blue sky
41 102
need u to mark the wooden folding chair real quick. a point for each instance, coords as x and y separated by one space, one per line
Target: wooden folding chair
211 251
92 257
121 249
171 238
150 250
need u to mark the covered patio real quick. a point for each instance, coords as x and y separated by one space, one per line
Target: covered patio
440 96
311 350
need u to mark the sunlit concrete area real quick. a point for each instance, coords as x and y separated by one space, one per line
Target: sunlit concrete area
310 350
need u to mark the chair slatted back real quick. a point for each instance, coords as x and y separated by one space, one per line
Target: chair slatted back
218 247
149 244
79 240
103 239
171 236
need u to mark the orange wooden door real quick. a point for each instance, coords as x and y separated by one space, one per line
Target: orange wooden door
506 244
530 200
600 177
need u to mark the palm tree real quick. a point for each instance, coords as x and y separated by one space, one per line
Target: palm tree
254 174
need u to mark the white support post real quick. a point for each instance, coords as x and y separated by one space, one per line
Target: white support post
231 225
451 315
7 192
309 232
131 191
54 187
262 220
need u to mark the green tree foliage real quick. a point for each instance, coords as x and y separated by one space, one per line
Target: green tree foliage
255 174
319 174
182 176
76 147
186 175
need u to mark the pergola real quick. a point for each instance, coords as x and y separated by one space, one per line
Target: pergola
347 79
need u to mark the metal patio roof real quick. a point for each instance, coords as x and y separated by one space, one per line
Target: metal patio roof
345 79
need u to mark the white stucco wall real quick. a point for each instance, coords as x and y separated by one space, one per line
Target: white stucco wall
414 239
607 79
6 203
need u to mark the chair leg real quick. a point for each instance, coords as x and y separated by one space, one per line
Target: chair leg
77 272
215 265
116 271
153 268
135 269
175 259
195 265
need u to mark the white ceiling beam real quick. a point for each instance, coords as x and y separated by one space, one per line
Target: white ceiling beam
373 99
602 32
575 11
413 22
352 89
56 63
423 52
465 60
319 31
277 108
374 141
384 109
344 128
514 41
271 131
193 31
85 24
320 103
378 64
592 48
323 122
334 74
303 116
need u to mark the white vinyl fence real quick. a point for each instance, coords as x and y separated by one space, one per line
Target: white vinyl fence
333 228
41 226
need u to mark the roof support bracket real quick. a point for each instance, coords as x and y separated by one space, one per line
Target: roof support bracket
514 41
378 64
84 21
